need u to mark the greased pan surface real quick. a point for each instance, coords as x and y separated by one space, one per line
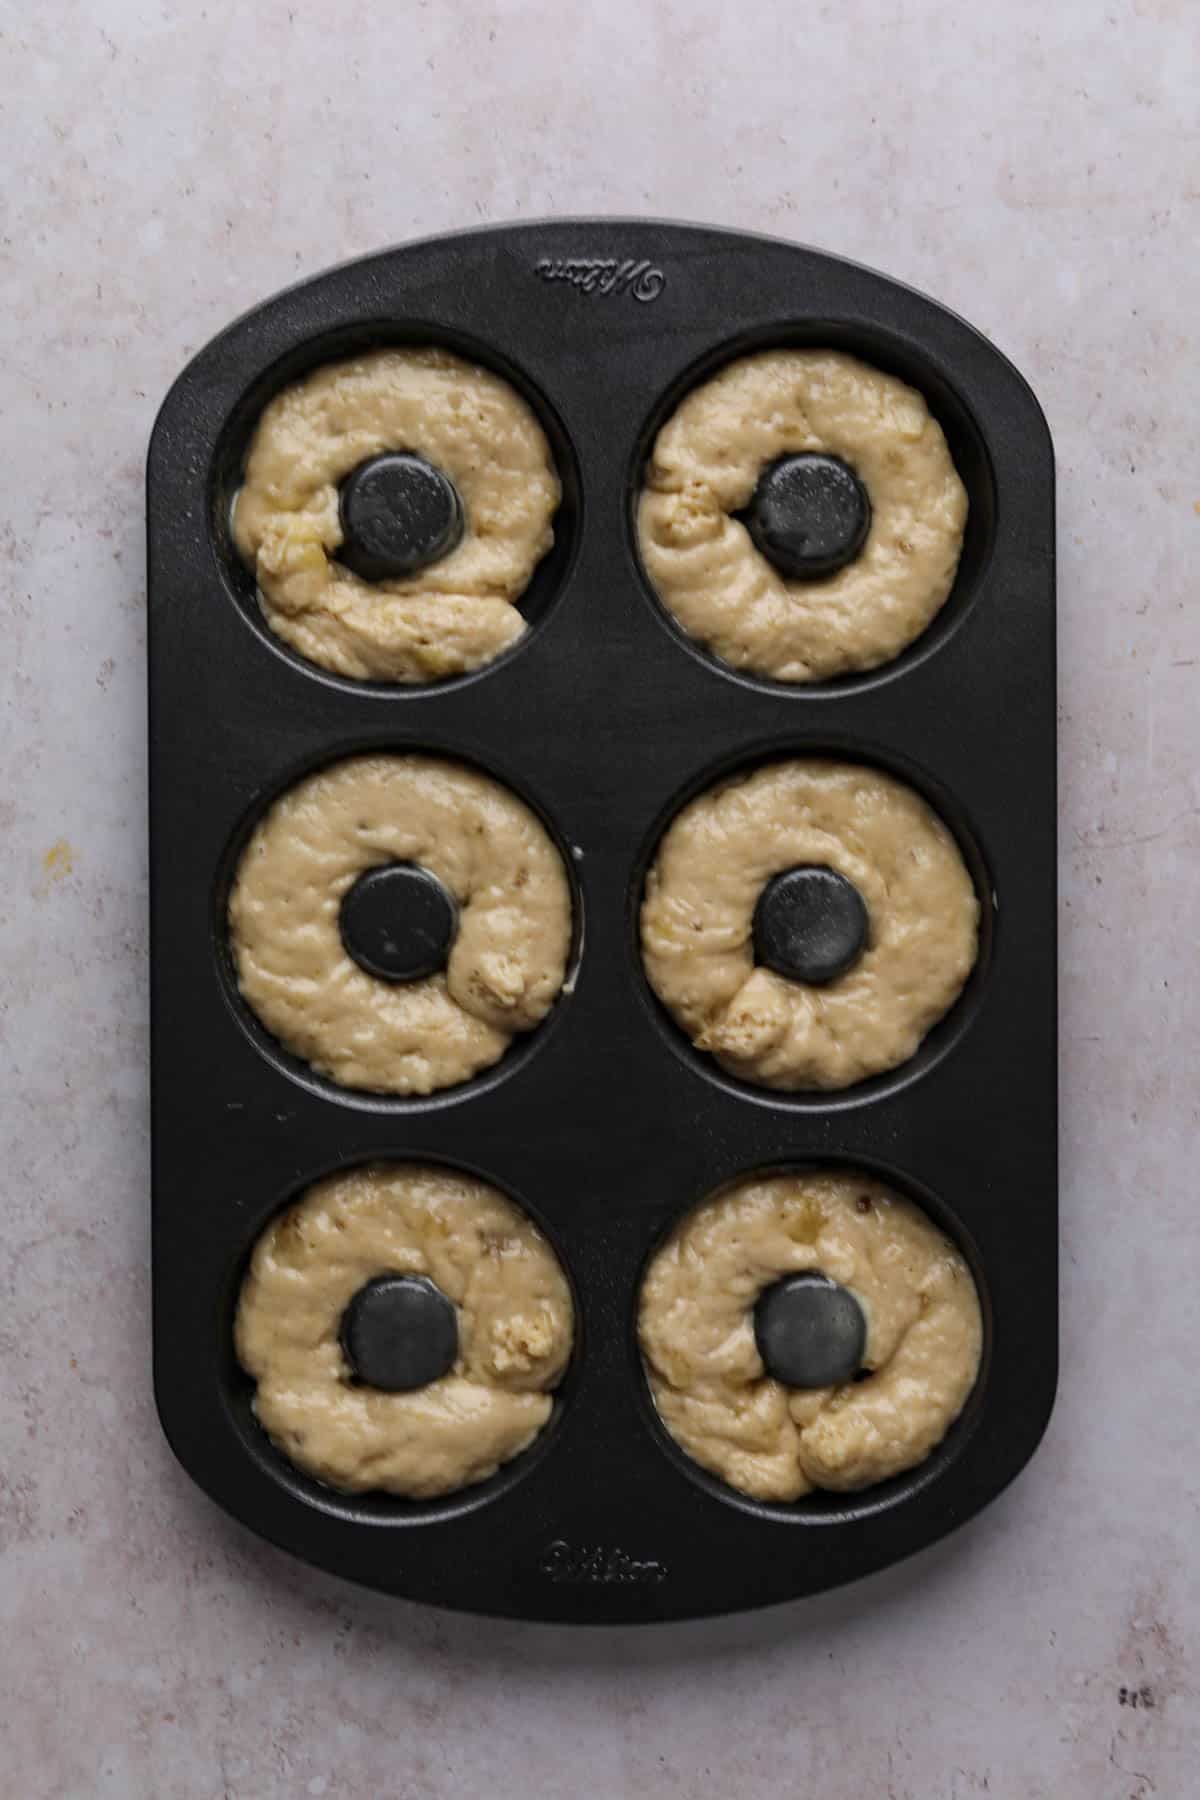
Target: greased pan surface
604 1123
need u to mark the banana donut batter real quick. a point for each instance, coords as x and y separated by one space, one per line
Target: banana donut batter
514 1315
706 462
455 614
923 1339
697 922
491 854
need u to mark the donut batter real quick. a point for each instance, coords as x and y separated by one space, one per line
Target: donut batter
455 614
515 1329
704 467
924 1334
489 851
697 917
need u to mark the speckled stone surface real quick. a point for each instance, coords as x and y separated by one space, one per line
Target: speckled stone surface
1033 166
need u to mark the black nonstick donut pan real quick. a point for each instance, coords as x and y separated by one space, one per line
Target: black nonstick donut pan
604 1123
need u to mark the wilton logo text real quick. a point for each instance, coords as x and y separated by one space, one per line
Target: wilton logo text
597 1563
598 275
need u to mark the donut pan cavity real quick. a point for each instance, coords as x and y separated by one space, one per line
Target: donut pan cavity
604 1124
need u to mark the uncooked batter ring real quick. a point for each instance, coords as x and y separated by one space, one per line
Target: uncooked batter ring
490 852
515 1329
696 1327
454 615
712 864
703 469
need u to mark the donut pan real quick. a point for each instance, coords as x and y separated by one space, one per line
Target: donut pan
604 1123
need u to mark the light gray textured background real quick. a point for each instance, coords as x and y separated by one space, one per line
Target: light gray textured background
1035 166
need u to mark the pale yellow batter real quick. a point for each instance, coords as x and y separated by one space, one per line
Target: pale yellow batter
697 916
705 464
454 615
506 964
924 1334
515 1328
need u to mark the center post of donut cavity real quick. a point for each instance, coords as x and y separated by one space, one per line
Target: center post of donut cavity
399 1332
398 922
809 515
810 1332
398 513
810 924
